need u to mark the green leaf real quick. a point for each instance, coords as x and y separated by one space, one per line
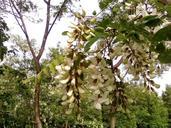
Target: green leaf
168 9
105 22
164 34
77 15
83 13
99 29
93 40
152 21
90 43
134 35
160 47
103 4
165 57
64 33
3 51
94 13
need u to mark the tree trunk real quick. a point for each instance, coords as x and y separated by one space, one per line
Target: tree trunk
38 123
19 17
113 118
66 124
113 122
37 104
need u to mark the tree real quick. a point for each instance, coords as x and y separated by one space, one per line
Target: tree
19 56
125 30
15 99
18 9
3 37
147 108
54 113
167 100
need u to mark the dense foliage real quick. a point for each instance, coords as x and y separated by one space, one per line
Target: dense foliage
167 101
3 38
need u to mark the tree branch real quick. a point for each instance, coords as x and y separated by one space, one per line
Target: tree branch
46 33
45 1
16 18
59 13
23 27
118 63
49 27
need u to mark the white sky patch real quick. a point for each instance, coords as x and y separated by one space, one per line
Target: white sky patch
163 80
36 30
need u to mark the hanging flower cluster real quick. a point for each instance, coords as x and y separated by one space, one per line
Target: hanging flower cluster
71 72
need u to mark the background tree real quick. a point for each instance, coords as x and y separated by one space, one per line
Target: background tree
147 108
167 100
3 38
15 99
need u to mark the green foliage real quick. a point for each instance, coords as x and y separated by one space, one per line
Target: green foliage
103 4
15 98
152 21
93 40
25 5
19 55
145 109
167 101
160 37
168 9
3 37
165 56
163 34
148 108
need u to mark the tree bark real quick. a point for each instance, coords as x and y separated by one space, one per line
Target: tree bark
113 122
113 118
37 104
38 123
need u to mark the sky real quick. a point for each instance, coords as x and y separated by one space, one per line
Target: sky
36 31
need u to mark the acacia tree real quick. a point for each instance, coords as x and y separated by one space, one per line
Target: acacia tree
18 9
126 30
96 70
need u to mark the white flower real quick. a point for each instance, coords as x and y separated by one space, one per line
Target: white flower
105 77
79 72
64 81
92 66
97 105
64 97
67 68
109 88
69 93
71 99
58 76
73 81
100 85
94 76
97 92
59 68
81 90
